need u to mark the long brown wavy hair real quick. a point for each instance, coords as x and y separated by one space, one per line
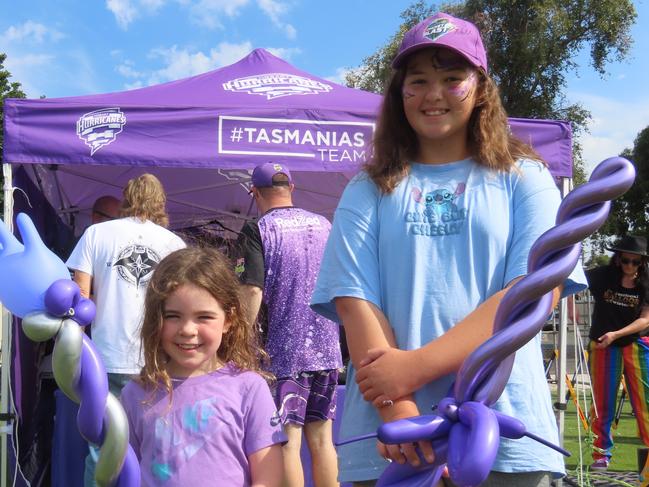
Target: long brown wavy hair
208 269
145 198
395 143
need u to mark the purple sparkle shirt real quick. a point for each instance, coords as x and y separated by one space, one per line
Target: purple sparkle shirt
281 253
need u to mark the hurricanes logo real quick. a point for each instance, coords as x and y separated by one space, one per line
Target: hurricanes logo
438 28
100 128
276 85
240 175
135 264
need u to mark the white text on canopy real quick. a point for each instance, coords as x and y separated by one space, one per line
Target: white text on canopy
327 141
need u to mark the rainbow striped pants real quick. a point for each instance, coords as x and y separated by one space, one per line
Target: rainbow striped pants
606 368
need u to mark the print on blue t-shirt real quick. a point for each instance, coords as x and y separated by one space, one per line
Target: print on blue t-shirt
437 211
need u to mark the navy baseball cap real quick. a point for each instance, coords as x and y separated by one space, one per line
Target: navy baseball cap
262 176
444 30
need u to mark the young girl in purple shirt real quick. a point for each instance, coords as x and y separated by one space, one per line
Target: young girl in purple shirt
200 410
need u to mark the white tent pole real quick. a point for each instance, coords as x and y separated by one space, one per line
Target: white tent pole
6 421
560 403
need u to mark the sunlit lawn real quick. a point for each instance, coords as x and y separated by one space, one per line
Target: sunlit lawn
625 437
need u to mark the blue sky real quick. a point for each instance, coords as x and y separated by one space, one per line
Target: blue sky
75 47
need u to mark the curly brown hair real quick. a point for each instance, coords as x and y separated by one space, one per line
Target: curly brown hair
395 143
211 270
145 198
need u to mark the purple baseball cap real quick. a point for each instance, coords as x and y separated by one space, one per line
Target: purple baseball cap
445 31
262 176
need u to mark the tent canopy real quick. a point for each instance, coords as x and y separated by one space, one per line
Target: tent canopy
221 124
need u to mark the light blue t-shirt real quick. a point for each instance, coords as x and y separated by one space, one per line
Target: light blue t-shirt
446 239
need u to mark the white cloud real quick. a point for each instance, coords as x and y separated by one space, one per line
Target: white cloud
339 76
127 11
290 31
123 10
30 53
208 13
275 9
133 86
30 31
31 61
127 70
227 53
181 62
286 53
614 125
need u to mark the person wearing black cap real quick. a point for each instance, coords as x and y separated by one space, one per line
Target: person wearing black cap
620 318
278 263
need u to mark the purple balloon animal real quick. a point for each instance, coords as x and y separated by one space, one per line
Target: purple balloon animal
465 431
40 291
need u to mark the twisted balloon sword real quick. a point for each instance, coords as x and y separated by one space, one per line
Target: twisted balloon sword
41 292
465 432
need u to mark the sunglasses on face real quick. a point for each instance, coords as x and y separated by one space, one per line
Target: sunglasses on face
635 262
105 215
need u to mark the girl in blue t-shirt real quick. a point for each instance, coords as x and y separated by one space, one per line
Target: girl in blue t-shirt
200 410
425 243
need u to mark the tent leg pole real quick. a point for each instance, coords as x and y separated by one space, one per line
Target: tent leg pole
6 416
561 404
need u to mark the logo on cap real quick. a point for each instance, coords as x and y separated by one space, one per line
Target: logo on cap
277 167
438 28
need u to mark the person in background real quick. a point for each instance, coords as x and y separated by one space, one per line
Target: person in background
105 208
200 412
116 258
617 345
279 259
425 243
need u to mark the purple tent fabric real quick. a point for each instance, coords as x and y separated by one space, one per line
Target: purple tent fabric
220 124
257 109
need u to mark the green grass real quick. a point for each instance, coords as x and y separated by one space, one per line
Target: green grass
625 438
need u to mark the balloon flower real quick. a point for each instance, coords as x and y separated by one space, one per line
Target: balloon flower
465 432
37 288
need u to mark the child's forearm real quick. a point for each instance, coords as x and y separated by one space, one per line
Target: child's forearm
446 354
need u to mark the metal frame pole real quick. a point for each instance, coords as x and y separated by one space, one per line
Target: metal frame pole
6 411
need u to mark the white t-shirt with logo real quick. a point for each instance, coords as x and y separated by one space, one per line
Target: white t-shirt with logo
120 255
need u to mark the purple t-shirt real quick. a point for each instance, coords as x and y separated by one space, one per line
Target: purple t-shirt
215 422
281 253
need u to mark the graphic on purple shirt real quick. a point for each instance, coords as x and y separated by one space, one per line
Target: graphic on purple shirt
215 422
281 254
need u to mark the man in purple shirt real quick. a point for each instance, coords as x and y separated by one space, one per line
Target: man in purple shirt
278 262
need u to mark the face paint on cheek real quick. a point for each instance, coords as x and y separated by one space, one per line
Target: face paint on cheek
465 88
406 93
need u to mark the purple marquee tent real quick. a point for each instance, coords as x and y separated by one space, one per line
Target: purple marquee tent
202 136
220 125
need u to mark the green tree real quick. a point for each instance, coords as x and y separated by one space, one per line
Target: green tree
630 212
8 89
531 46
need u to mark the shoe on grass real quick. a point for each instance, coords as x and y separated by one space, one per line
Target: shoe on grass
599 465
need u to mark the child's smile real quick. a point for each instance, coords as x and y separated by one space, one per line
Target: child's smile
192 330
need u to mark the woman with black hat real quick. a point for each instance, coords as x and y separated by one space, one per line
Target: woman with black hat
620 318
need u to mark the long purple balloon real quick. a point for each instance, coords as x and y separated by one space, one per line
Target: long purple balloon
63 298
468 430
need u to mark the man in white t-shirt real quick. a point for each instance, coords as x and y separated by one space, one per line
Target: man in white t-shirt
116 258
